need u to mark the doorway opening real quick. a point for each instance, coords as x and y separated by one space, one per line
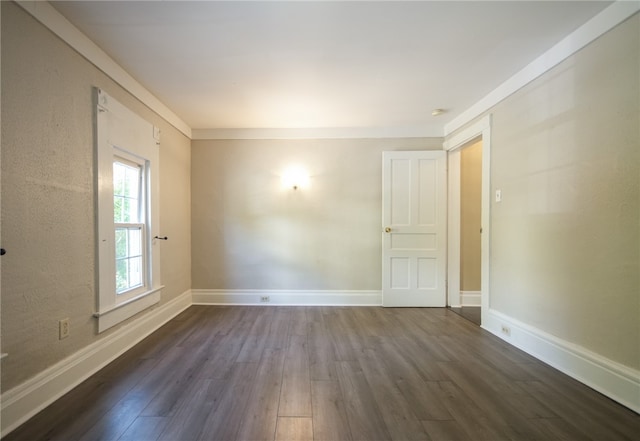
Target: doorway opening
468 223
470 231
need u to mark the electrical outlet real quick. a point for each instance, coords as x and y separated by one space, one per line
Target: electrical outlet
63 328
265 299
506 330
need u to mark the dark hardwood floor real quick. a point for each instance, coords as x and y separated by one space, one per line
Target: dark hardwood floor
328 373
471 313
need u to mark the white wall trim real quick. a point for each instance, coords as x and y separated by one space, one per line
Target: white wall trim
616 381
470 298
109 318
286 297
25 400
606 20
453 228
475 130
63 28
426 131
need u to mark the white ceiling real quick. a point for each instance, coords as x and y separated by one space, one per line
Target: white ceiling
365 65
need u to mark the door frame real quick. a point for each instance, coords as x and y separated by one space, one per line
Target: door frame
453 145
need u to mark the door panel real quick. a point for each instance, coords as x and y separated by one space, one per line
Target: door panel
414 225
427 192
400 192
400 273
413 242
427 273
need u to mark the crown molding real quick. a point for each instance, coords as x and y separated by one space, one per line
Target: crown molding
63 28
606 20
320 133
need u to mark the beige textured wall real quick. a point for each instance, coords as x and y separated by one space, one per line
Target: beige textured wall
249 233
470 210
48 202
565 240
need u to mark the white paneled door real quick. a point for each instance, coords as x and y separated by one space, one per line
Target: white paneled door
414 228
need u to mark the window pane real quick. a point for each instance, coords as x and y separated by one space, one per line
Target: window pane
135 272
127 196
129 258
121 243
122 282
118 178
126 210
132 182
135 242
117 209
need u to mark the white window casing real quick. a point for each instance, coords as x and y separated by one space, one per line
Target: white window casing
120 133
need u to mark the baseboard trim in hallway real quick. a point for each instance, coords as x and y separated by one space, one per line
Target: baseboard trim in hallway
24 401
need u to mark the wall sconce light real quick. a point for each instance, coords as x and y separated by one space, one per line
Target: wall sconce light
295 177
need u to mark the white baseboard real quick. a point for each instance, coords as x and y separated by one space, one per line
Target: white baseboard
470 298
25 400
286 297
616 381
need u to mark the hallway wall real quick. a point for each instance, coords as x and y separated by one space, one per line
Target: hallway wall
470 222
565 242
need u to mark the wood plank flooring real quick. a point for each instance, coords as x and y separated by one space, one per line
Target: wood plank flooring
328 373
472 313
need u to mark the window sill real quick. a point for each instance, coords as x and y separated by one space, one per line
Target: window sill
119 313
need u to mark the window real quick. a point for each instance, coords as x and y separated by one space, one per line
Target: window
128 217
127 192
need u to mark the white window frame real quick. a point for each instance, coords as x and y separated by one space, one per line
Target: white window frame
122 133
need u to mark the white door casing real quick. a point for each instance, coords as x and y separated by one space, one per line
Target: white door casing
453 145
414 222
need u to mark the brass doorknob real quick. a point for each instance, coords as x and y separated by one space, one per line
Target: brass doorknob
387 230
